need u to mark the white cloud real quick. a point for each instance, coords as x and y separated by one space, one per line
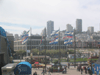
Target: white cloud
38 12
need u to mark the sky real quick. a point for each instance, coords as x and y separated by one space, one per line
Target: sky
19 15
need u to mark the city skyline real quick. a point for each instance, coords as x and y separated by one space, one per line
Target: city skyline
15 16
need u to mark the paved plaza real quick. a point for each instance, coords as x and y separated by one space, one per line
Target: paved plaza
71 71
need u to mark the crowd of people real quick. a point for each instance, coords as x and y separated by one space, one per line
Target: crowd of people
84 69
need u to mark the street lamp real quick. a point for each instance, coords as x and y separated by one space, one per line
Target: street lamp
67 56
99 50
91 62
31 57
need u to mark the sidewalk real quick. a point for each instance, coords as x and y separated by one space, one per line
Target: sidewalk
71 71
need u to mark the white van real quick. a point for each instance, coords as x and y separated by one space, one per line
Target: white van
8 69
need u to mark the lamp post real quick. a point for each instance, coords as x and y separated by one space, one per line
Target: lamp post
88 52
99 51
91 62
67 56
39 52
31 57
20 58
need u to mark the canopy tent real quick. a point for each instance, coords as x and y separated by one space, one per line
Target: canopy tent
23 68
36 63
96 67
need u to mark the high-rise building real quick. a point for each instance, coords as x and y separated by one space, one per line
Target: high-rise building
50 27
69 27
43 32
90 30
79 25
16 37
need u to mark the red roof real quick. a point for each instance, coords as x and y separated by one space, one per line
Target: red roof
36 63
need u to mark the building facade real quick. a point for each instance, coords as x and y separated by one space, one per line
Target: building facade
69 27
16 37
90 30
34 42
5 49
43 32
50 28
78 25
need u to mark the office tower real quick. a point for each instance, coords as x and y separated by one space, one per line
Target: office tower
78 25
90 30
69 27
50 27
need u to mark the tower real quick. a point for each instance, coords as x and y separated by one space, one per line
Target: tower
78 25
50 27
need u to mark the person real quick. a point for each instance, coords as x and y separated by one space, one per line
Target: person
88 70
35 73
85 70
65 69
58 68
81 70
68 65
42 71
48 71
79 67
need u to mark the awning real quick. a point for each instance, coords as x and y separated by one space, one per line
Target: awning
36 63
42 64
23 68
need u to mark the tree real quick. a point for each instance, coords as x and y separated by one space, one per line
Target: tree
20 52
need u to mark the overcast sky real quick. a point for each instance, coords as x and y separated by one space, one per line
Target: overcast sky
19 15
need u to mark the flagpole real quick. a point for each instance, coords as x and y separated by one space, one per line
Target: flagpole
31 37
59 46
74 50
45 49
30 44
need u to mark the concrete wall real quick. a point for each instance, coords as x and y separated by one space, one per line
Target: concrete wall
3 48
11 41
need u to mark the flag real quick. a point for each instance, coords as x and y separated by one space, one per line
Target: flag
25 37
68 41
52 41
65 37
25 34
55 33
68 36
69 32
52 34
24 40
56 41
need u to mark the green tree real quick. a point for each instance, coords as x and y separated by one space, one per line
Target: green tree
21 52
